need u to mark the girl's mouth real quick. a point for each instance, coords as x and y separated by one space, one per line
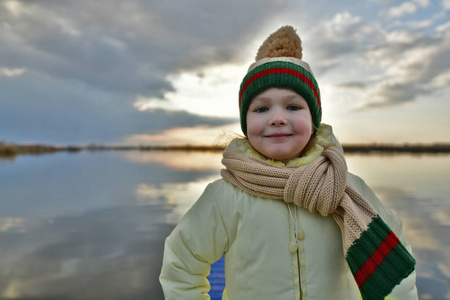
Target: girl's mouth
278 136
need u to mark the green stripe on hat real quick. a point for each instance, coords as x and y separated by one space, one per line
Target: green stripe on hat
281 74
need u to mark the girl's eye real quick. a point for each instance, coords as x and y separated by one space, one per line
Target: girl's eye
261 109
294 107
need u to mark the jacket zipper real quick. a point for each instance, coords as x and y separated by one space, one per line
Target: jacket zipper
294 220
299 278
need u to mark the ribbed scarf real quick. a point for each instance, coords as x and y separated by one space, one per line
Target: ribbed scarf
373 252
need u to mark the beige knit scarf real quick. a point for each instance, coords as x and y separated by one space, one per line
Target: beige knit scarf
373 252
320 187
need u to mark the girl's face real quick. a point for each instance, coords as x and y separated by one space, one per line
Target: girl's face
279 124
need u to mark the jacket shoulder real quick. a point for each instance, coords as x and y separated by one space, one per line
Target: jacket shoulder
222 185
224 191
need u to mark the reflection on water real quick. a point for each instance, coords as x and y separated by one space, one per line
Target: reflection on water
417 189
92 225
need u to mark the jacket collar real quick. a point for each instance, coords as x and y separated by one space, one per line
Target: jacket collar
323 139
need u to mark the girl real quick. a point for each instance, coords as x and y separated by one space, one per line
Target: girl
290 219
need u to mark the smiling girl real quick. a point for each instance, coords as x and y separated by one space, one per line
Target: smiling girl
279 124
292 222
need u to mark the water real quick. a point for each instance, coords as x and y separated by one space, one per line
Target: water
91 225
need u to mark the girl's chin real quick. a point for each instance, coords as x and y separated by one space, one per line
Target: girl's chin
282 157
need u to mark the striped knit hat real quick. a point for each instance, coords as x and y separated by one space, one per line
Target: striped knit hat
278 64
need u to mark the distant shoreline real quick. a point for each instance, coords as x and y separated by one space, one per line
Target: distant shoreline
8 151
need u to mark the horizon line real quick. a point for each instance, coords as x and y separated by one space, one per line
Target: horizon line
12 150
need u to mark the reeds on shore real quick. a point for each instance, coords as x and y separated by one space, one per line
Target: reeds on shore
392 148
10 151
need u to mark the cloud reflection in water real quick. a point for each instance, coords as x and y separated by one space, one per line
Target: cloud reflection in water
111 253
92 228
92 225
416 188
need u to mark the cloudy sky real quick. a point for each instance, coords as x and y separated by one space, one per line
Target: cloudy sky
168 72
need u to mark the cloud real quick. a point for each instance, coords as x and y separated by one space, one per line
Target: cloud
37 109
442 80
352 85
130 46
394 66
91 62
388 94
87 61
341 28
403 9
423 3
343 37
412 64
406 8
446 4
12 72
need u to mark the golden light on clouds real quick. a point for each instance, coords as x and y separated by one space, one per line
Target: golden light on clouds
210 92
8 72
14 7
12 224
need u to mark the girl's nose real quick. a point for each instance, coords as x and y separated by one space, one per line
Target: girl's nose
278 118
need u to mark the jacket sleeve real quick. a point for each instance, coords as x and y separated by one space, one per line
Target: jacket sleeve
406 290
199 240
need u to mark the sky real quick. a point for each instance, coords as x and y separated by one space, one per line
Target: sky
168 72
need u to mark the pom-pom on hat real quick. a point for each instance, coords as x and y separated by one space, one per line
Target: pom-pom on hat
279 64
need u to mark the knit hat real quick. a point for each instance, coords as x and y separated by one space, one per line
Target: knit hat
279 64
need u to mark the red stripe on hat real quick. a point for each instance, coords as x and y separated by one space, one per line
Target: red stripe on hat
280 71
386 247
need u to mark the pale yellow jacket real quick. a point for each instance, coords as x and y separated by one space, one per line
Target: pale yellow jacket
262 260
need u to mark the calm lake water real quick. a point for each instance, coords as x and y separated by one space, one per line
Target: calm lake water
91 225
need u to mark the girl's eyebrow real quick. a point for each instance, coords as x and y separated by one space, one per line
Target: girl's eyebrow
284 98
261 98
259 101
288 97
